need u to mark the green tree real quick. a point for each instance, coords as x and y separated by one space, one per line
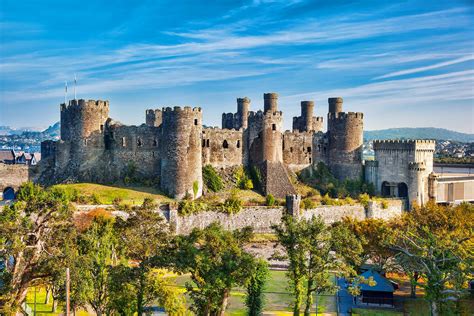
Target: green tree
255 287
314 250
216 261
33 231
98 253
438 242
141 237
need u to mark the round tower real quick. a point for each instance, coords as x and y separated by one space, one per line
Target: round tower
345 141
243 106
335 105
307 108
270 102
181 162
81 119
272 139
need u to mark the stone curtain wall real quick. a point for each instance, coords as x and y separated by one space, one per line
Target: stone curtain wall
261 218
13 175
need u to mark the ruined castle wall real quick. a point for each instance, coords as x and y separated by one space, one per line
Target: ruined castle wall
133 151
345 137
13 175
254 136
222 148
261 218
297 149
181 151
320 148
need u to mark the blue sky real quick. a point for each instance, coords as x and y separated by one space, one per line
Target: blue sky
404 64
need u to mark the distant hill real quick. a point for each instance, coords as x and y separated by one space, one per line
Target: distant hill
419 133
54 130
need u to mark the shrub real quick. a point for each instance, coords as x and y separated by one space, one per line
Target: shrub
117 201
384 204
232 204
212 179
242 179
187 207
364 199
270 200
308 204
95 199
148 204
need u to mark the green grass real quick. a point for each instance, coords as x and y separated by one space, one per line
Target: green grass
277 297
374 312
107 194
41 307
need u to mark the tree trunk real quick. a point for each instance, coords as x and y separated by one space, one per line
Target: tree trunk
413 281
140 292
55 305
434 308
48 294
225 300
309 299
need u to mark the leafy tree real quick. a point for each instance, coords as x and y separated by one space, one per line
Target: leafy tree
141 237
216 262
33 231
314 250
438 242
255 287
97 253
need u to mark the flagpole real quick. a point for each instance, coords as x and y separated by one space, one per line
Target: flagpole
65 92
75 83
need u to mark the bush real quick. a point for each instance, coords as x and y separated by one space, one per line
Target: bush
212 179
270 200
364 199
308 204
232 204
117 201
242 180
148 204
187 207
384 204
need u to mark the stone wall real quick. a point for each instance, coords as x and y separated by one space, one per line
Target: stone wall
297 149
261 218
222 148
13 175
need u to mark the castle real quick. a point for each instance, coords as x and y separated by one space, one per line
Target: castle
172 146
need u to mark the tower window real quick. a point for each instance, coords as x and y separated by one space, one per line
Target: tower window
309 149
238 144
195 122
155 142
203 143
225 144
274 127
291 149
207 143
139 142
124 142
101 128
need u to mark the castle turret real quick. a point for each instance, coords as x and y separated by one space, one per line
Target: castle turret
153 117
80 119
307 108
335 105
345 140
243 106
181 162
270 102
272 137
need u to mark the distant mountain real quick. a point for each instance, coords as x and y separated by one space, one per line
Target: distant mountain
54 130
419 133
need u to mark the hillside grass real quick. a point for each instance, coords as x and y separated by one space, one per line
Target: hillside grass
106 194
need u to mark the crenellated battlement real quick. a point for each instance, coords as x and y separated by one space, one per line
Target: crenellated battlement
83 103
405 144
345 115
181 109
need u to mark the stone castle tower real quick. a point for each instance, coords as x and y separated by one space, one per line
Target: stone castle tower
341 147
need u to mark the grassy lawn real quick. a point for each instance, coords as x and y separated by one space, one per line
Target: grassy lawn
41 307
106 194
374 312
277 297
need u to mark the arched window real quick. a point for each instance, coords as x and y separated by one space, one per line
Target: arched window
225 144
139 142
8 193
195 122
